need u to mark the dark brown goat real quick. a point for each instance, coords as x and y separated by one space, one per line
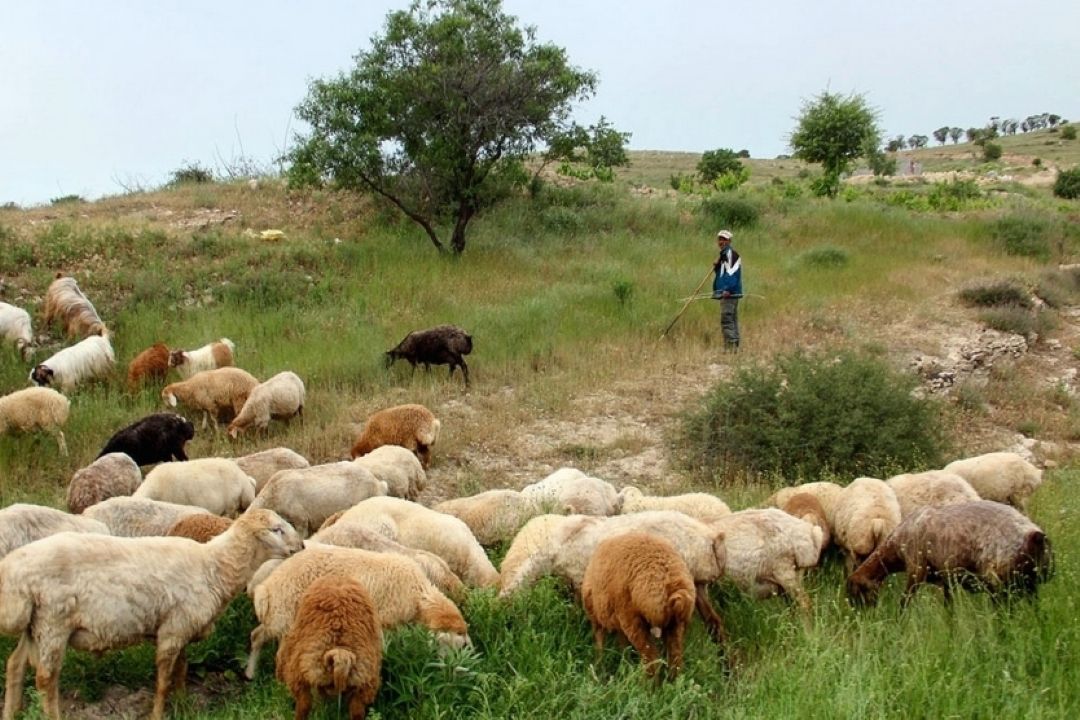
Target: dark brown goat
440 345
978 545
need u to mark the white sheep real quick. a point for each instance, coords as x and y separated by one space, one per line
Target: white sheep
400 590
96 593
825 492
279 398
111 475
15 328
35 408
23 523
217 354
398 467
933 488
88 359
1003 477
139 517
864 514
493 515
217 485
219 393
700 506
417 526
66 302
263 464
306 497
573 489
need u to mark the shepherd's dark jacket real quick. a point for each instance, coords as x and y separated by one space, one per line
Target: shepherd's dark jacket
728 269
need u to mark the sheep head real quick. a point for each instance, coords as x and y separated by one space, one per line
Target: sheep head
177 358
42 375
276 536
26 350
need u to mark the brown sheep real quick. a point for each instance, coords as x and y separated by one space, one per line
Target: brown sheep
200 528
636 584
410 426
978 545
152 363
806 506
64 301
334 646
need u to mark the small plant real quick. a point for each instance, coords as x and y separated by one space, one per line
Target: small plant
1067 184
1059 288
1037 162
562 220
68 200
991 151
1023 235
953 196
825 257
624 291
1068 132
191 173
1002 293
722 210
731 180
1009 319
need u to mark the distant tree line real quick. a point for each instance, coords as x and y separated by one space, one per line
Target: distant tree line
994 127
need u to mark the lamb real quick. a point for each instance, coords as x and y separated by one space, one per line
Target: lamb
217 485
931 488
262 465
493 515
440 345
399 589
574 490
308 496
807 507
155 438
866 511
410 426
15 328
66 302
419 527
636 582
35 409
826 493
700 506
211 356
203 527
335 645
98 593
152 363
279 398
111 475
398 467
139 517
979 545
23 523
88 359
1001 476
220 393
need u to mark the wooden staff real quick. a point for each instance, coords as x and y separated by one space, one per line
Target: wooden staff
692 299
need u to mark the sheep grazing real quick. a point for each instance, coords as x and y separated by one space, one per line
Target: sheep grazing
219 393
88 359
15 328
398 467
637 585
279 398
979 545
806 506
440 345
217 485
211 356
155 438
335 646
571 490
493 515
400 591
826 493
151 364
202 528
139 517
263 464
700 506
111 475
98 593
1001 476
411 426
932 488
864 514
22 523
35 408
64 301
308 496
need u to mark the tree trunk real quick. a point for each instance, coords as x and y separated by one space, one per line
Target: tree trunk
457 240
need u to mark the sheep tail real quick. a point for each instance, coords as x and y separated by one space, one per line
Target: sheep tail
428 435
339 663
1038 556
16 610
681 603
877 531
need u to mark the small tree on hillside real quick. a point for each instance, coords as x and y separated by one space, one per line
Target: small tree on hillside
916 142
897 144
834 130
955 133
941 134
601 147
715 163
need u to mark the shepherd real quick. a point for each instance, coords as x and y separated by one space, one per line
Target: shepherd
727 288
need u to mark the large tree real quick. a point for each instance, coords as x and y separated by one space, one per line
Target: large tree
834 130
439 114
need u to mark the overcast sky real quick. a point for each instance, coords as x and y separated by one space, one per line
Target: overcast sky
100 96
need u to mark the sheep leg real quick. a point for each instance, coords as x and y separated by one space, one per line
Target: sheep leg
598 638
713 623
636 630
303 701
465 372
357 706
50 660
258 639
791 583
61 443
916 576
179 677
16 674
674 637
168 651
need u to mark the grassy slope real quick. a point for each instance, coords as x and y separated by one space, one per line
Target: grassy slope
537 287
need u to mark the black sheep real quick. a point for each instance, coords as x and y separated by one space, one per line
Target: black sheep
440 345
156 438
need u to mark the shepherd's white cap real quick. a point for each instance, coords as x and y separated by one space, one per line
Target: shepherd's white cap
726 234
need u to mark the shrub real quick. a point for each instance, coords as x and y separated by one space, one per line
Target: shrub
1068 132
624 291
953 196
715 163
562 220
729 211
191 173
1023 235
67 200
1037 162
731 180
825 257
1059 288
1067 184
814 414
991 151
1002 293
1009 319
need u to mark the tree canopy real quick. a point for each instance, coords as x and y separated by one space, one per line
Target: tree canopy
834 130
438 115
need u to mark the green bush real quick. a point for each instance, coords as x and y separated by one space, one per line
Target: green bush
67 200
814 414
715 163
729 211
1023 235
191 173
1067 184
1001 293
1009 319
991 152
953 196
825 257
1068 132
562 220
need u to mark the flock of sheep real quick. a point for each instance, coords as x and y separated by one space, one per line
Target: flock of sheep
332 555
